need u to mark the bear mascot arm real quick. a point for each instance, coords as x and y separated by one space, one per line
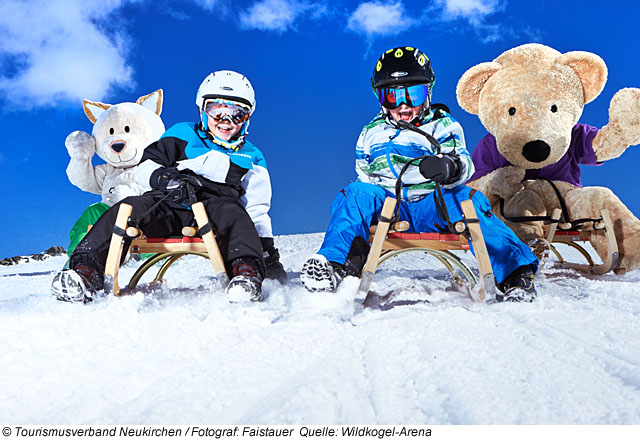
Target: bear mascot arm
80 171
623 128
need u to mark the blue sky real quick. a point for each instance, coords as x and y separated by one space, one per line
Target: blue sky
309 61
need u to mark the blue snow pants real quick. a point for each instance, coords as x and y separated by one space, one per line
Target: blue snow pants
354 208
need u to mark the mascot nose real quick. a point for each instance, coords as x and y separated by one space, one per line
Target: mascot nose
536 151
117 147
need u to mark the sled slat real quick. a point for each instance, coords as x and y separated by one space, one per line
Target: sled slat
115 251
376 247
210 243
487 280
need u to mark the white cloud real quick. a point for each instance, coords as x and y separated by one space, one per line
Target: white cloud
380 18
474 11
60 50
470 8
277 15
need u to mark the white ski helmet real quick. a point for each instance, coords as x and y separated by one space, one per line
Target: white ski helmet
229 85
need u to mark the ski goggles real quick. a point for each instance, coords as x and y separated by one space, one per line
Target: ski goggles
220 110
413 96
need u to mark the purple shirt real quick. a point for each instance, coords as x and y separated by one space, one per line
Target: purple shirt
486 158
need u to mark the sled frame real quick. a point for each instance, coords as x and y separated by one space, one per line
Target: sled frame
164 249
557 235
385 245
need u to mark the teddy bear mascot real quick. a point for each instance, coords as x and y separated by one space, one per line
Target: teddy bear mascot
530 99
120 134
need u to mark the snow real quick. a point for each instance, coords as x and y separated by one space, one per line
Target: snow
188 356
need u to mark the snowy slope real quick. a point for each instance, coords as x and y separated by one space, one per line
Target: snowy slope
188 356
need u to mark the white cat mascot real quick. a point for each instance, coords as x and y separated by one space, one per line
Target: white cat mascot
120 134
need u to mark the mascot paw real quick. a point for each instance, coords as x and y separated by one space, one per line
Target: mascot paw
506 181
120 192
80 145
624 114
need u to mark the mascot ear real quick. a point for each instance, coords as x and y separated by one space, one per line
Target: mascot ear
152 101
93 110
471 84
591 70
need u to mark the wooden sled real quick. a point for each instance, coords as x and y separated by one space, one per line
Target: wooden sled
385 245
169 249
562 233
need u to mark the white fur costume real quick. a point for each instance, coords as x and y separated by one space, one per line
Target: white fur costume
120 134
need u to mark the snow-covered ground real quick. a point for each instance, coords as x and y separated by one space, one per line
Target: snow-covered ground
188 356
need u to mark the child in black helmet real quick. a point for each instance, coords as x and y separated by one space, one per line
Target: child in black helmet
403 82
230 177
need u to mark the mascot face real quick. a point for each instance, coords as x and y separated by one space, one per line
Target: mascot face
123 131
529 99
532 125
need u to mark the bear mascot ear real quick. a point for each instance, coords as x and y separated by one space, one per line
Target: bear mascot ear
471 84
93 110
152 101
591 70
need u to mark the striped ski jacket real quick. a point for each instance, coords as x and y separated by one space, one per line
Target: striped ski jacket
383 149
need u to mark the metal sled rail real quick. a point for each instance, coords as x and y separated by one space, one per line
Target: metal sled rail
557 235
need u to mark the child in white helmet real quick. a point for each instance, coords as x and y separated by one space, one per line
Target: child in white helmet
230 177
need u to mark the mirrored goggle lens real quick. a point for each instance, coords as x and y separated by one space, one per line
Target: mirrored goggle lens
413 96
234 113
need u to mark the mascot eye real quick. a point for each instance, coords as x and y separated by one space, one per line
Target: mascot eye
554 108
111 131
512 111
126 128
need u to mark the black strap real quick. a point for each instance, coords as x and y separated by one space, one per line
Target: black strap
119 231
441 206
433 141
520 219
566 218
205 229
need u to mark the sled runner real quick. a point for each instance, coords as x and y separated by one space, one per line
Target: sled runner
388 239
572 233
169 249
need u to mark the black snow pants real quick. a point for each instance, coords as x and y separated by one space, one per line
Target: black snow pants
235 232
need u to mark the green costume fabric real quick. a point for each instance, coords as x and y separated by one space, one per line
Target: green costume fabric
88 217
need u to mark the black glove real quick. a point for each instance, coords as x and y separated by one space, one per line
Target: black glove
172 182
161 177
442 169
274 268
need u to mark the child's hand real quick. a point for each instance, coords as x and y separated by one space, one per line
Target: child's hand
441 169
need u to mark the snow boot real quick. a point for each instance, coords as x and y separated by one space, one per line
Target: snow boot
77 285
273 267
518 287
246 283
320 275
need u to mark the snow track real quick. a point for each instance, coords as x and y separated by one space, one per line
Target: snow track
187 356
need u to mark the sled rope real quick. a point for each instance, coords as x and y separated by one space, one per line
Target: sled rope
575 224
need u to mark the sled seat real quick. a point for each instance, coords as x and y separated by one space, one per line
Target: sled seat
388 240
170 249
557 232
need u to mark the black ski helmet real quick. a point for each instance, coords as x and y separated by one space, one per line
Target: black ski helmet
402 66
